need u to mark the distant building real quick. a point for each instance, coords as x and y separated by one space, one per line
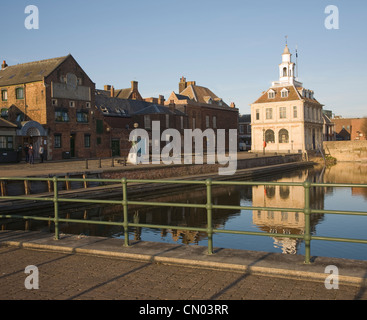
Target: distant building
287 117
349 128
244 132
205 110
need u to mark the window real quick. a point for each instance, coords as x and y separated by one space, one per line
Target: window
182 122
207 121
271 94
88 105
269 136
72 104
99 140
282 112
242 128
284 93
193 123
87 140
249 129
214 122
4 113
57 141
257 114
4 95
295 115
61 116
269 113
147 124
284 72
6 142
283 136
54 102
82 116
99 126
19 93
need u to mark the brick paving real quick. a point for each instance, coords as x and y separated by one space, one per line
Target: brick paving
64 276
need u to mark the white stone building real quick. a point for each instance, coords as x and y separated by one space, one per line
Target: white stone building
287 117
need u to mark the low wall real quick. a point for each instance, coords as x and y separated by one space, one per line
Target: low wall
159 172
347 150
14 188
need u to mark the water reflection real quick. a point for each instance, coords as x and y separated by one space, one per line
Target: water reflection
289 222
291 197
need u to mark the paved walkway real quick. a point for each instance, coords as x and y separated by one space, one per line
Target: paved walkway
88 268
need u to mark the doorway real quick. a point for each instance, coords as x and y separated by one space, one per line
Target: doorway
72 145
115 147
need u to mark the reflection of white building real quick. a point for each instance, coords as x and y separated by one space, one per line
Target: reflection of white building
286 117
276 221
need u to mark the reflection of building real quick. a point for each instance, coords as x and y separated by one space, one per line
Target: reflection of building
287 117
284 222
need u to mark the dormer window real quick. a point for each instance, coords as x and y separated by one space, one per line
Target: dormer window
271 94
284 93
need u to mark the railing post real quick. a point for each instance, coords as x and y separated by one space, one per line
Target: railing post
307 212
209 215
124 204
56 208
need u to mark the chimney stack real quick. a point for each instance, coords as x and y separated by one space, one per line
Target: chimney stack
161 100
4 65
134 85
233 105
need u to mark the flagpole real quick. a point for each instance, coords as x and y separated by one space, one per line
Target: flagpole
297 61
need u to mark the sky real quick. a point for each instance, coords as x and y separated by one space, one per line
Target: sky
232 47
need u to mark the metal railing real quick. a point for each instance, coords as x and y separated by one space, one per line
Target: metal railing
209 206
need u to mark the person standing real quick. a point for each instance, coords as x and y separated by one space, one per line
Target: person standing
26 149
41 151
31 154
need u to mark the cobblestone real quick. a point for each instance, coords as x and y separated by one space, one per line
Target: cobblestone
85 277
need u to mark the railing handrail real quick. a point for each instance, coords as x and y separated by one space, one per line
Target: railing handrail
209 206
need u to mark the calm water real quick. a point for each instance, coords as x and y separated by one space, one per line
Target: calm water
282 223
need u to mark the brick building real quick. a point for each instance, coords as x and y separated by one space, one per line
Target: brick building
121 116
349 128
203 108
52 103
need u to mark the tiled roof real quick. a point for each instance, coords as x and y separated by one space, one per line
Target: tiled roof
202 95
293 94
29 72
155 108
118 107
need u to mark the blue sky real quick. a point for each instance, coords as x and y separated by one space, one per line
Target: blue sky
232 47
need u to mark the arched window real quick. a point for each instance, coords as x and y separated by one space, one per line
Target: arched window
284 72
4 113
269 136
283 136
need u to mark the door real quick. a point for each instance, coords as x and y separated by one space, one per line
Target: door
115 147
72 145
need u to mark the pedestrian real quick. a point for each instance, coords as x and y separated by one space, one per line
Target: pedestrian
31 154
40 151
26 148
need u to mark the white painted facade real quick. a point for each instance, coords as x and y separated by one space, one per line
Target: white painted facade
287 117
